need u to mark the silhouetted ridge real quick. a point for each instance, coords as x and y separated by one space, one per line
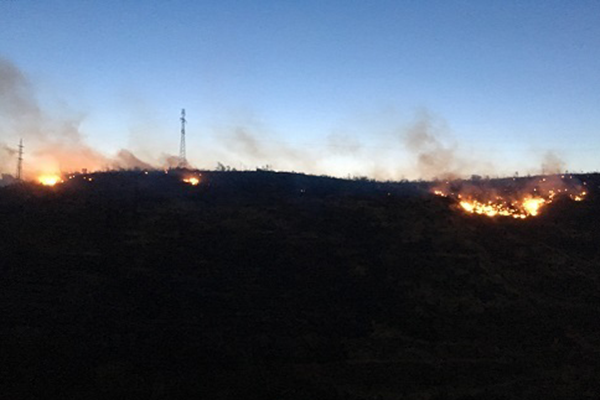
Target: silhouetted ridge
267 285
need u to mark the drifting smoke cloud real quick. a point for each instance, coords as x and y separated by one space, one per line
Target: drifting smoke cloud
51 144
552 163
343 144
8 150
6 154
127 160
245 143
169 161
423 143
16 96
433 157
57 144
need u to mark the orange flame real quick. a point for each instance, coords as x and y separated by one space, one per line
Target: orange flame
527 207
192 180
49 179
519 206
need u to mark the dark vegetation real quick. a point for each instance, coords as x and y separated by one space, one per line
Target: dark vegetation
259 285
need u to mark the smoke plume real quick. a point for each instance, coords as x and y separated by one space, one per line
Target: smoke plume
342 144
127 160
252 143
552 163
57 144
52 144
434 159
8 151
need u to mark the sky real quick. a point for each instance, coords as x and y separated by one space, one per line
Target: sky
385 89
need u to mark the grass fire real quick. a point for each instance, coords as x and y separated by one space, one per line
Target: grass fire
509 198
49 179
299 200
298 275
192 180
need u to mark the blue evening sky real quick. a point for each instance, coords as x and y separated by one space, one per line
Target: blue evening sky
319 86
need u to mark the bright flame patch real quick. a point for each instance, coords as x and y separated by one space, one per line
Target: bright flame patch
192 180
49 180
518 204
527 207
533 205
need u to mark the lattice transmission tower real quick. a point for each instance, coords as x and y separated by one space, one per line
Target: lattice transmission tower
20 161
182 157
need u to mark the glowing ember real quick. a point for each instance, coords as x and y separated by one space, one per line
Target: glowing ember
192 180
49 180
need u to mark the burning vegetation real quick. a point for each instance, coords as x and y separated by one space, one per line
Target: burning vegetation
192 180
122 251
514 198
73 179
55 179
49 179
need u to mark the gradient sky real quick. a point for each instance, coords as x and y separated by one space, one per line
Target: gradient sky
340 81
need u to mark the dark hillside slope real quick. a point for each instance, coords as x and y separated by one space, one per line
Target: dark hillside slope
283 286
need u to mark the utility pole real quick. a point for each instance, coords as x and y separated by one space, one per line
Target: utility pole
182 157
20 161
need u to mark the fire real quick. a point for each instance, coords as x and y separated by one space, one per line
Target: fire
50 179
578 197
528 207
192 180
513 202
533 205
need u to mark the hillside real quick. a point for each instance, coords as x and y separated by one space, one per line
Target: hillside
263 285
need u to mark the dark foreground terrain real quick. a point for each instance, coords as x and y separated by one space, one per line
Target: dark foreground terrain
280 286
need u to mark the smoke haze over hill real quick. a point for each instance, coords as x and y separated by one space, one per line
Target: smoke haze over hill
53 143
422 149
